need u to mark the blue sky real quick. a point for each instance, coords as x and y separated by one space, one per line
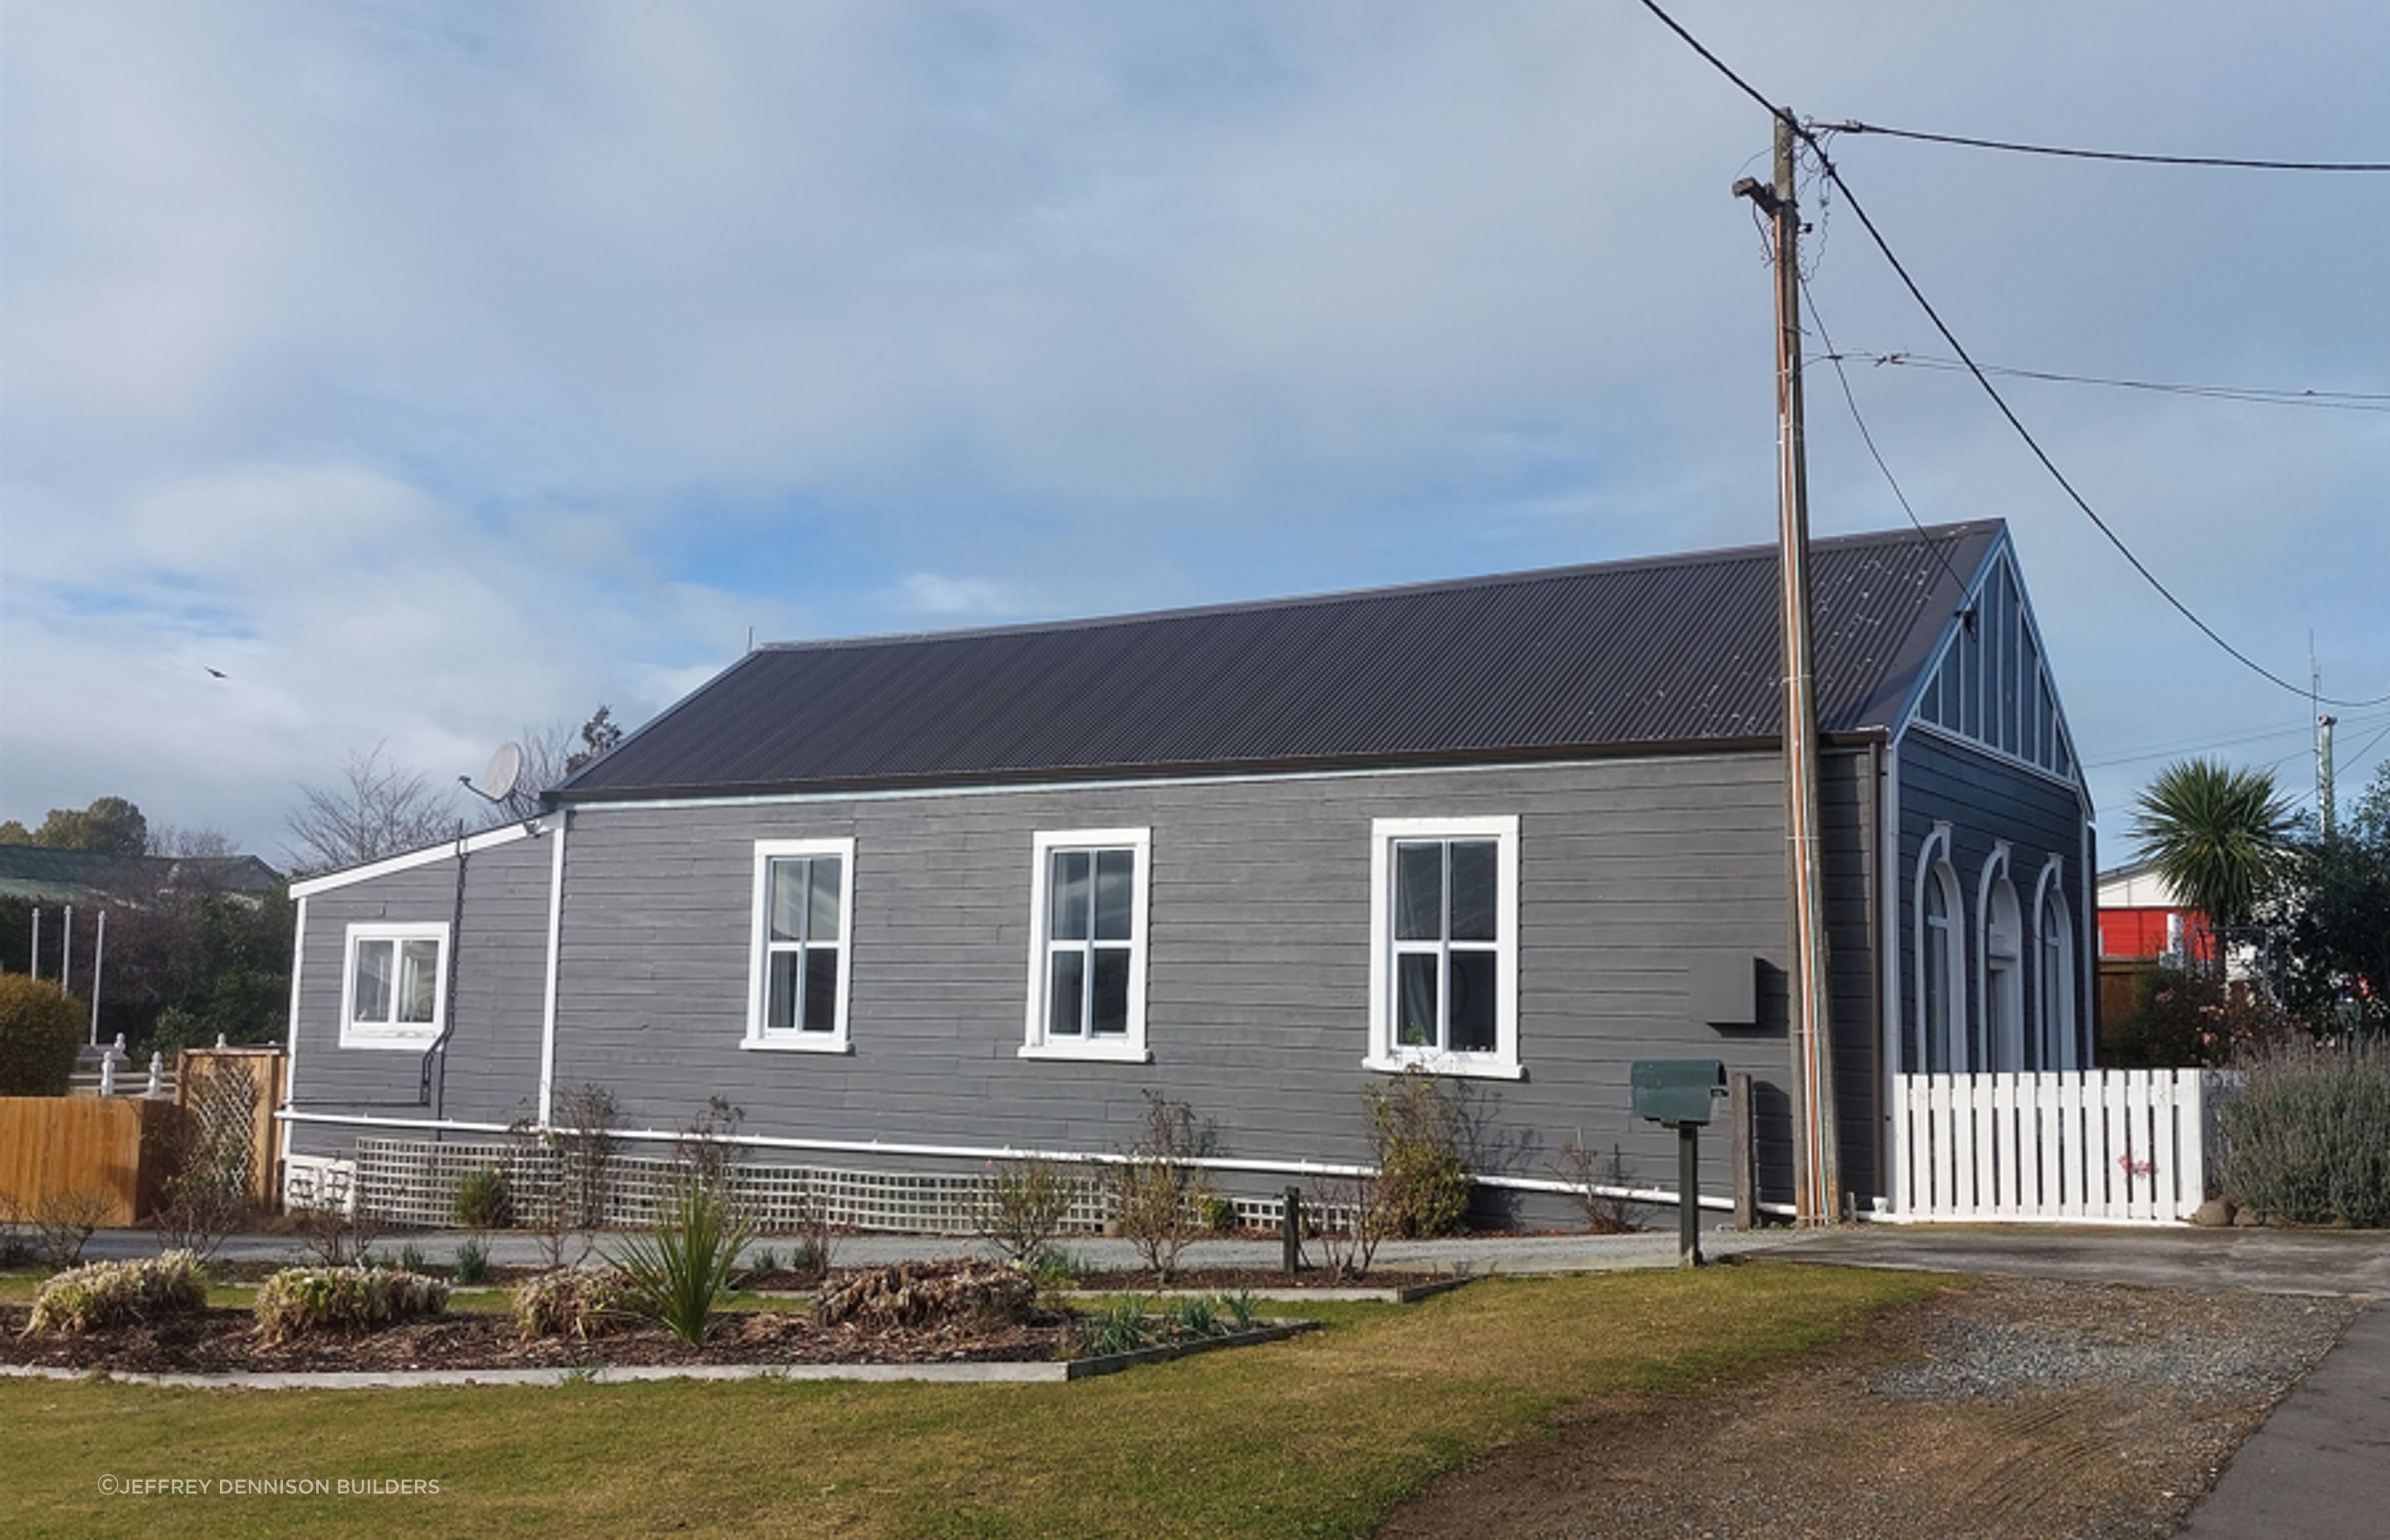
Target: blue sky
439 370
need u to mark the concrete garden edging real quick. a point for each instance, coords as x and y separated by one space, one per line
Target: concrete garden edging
1409 1293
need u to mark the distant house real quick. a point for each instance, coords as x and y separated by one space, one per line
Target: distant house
2143 918
41 875
914 903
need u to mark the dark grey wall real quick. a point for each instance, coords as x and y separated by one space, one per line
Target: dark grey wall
492 1055
1986 799
1258 962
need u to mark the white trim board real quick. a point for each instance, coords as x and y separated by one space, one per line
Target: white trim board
447 850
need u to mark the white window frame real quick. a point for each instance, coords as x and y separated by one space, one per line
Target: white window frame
1130 1048
2056 1038
409 1036
2003 1017
760 949
1385 1054
1933 865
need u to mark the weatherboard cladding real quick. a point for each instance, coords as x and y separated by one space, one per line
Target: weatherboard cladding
1678 650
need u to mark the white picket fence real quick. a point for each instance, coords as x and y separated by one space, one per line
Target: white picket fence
2102 1146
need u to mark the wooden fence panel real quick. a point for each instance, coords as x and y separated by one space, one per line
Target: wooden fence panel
113 1150
196 1073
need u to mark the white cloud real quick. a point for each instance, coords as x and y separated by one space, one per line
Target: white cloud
435 367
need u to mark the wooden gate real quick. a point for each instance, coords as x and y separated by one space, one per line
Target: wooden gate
2104 1146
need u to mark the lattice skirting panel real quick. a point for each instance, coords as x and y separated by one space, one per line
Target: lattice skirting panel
406 1182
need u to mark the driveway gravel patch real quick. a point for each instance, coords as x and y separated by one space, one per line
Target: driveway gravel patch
2009 1410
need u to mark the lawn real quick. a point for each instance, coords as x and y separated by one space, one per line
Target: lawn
1317 1436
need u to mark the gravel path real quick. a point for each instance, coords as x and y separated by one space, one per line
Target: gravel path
2011 1409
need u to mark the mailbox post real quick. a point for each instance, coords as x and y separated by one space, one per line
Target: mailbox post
1678 1092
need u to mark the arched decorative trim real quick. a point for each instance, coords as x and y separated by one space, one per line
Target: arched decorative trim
2054 930
1933 866
1997 1040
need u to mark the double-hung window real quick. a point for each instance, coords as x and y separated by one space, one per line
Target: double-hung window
394 986
1443 923
1086 955
797 978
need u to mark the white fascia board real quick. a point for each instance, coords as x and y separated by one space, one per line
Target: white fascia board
447 850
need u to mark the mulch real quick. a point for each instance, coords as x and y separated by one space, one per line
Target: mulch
223 1341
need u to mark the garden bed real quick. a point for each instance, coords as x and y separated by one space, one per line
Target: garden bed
223 1341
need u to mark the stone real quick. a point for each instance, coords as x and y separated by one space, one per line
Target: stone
2247 1219
2217 1212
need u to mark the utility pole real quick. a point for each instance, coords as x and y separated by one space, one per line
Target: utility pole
1815 1166
2325 812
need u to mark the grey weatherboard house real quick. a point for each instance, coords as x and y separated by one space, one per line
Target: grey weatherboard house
914 903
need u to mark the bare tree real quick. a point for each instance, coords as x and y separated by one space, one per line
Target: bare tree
379 808
187 841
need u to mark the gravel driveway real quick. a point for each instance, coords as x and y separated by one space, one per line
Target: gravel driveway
2004 1407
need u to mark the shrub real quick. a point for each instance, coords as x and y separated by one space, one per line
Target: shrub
120 1294
1587 1171
2190 1019
472 1263
298 1300
64 1224
1219 1215
921 1296
1416 1131
678 1270
483 1200
2307 1136
1155 1190
208 1156
1020 1206
578 1302
41 1027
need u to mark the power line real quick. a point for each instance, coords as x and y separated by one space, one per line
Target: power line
2192 745
1858 211
1810 302
2335 401
2357 758
2222 162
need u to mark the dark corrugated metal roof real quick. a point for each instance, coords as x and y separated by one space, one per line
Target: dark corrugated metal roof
1673 650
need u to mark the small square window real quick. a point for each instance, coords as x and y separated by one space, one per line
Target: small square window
394 993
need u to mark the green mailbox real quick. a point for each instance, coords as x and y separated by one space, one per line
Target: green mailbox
1677 1091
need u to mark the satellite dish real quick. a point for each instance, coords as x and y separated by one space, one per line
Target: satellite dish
500 777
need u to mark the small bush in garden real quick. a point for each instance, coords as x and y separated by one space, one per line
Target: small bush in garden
64 1224
15 1249
482 1201
207 1160
1242 1308
681 1268
120 1294
472 1263
2189 1018
1193 1316
1156 1188
1219 1215
41 1027
925 1295
298 1300
1121 1327
1418 1129
1020 1205
1054 1269
2307 1136
578 1302
1349 1218
410 1258
1587 1171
